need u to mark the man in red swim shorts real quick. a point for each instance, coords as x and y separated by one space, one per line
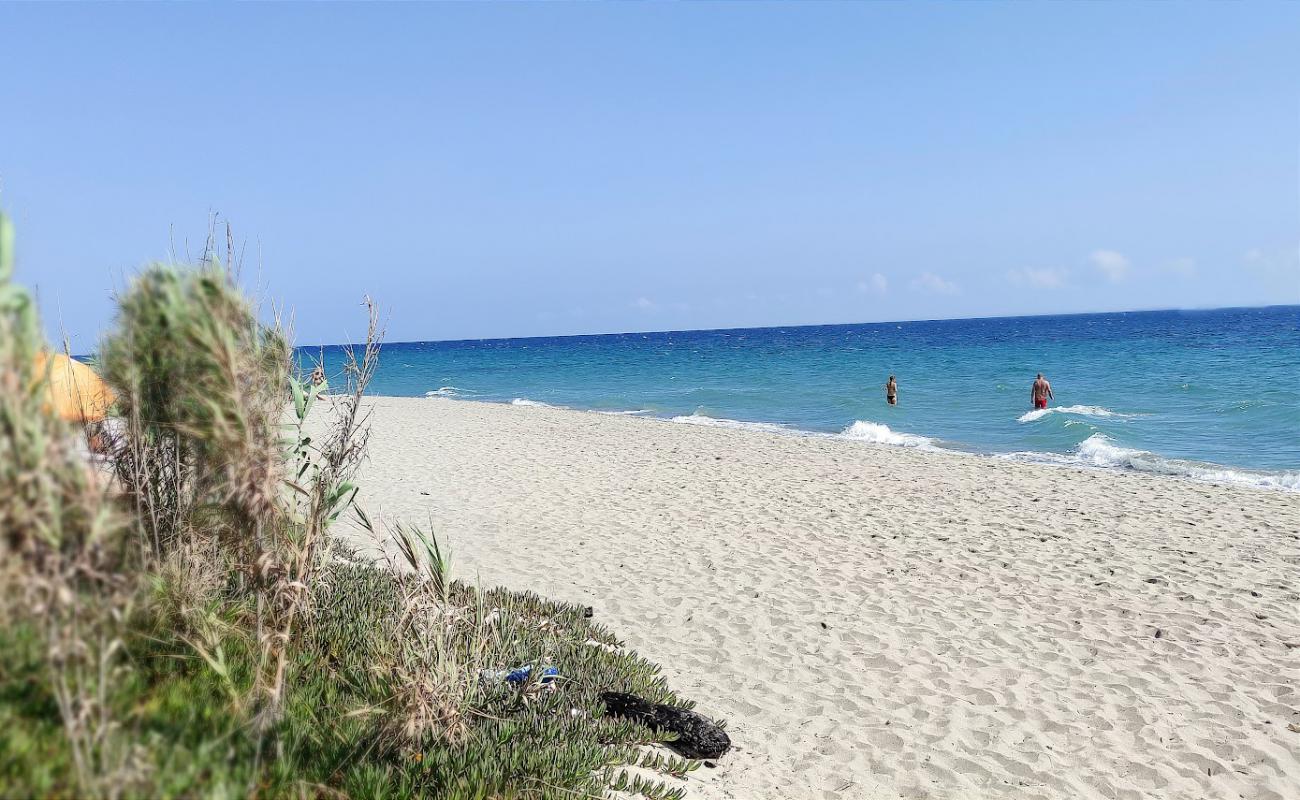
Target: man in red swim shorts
1042 392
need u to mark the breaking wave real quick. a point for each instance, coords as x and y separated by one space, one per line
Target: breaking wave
859 431
1085 411
877 433
1099 450
444 391
524 401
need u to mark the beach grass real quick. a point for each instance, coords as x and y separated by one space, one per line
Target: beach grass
181 623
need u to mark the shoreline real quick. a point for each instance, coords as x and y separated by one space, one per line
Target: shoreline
885 621
1105 456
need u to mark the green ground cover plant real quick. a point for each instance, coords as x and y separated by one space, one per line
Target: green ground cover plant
179 620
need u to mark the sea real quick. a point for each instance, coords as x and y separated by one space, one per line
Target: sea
1205 395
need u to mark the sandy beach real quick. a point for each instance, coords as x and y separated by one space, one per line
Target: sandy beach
878 622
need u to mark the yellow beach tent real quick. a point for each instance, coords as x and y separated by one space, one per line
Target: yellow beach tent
74 391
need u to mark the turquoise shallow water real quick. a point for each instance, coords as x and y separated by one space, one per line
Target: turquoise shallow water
1212 395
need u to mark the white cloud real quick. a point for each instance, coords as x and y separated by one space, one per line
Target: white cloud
933 283
1278 269
643 303
1284 260
876 284
1042 278
1113 265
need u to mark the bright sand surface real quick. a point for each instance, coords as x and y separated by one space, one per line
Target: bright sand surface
876 622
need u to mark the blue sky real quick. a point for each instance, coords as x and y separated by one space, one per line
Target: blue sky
511 170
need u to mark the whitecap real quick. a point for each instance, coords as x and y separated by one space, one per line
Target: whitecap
859 431
878 433
1100 450
1085 411
524 401
444 391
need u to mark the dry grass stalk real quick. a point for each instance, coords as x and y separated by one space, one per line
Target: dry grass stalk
232 529
203 454
440 648
200 387
321 490
61 567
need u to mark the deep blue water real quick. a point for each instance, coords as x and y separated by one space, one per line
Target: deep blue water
1205 394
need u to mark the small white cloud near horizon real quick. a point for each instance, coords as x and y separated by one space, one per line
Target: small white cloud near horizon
1041 278
1282 260
876 284
644 303
934 283
1112 264
1279 269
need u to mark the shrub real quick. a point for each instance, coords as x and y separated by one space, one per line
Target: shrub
201 384
65 582
203 635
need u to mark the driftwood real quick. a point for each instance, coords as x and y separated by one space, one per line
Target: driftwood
697 737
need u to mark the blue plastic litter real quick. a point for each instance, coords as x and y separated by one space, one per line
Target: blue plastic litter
520 675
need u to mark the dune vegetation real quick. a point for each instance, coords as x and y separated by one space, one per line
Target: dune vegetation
179 621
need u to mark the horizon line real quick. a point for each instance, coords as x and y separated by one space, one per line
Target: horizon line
810 325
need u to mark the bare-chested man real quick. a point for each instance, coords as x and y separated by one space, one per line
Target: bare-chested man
1042 392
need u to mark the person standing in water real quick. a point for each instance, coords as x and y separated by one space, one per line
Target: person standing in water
1042 392
891 391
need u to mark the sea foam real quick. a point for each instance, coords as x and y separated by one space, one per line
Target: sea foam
524 401
859 431
1085 411
877 433
1100 450
717 422
444 391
